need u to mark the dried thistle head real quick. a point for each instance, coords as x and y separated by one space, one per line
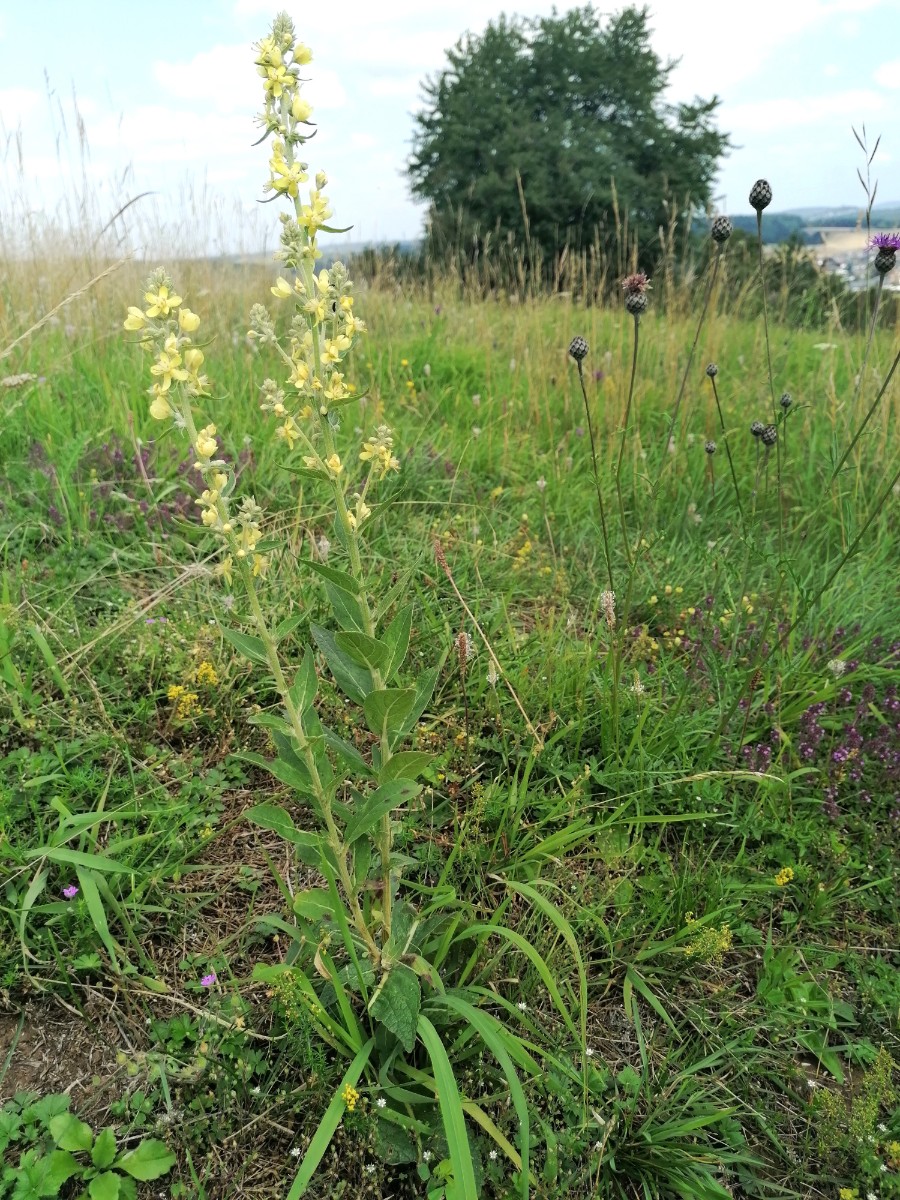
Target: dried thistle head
761 195
578 349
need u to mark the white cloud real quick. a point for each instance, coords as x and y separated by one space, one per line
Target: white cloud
888 74
16 104
403 86
762 116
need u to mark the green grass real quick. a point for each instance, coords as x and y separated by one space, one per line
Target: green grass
748 1060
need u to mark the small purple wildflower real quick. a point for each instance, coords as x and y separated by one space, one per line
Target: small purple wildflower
208 980
70 892
885 241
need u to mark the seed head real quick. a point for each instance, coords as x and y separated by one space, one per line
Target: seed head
757 429
721 230
769 435
712 370
710 447
636 303
786 400
885 260
578 349
761 195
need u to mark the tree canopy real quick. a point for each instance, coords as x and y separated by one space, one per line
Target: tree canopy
554 116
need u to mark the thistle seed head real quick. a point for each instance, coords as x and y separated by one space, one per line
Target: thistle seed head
636 303
710 447
786 400
721 230
712 370
885 260
578 349
761 195
757 429
769 435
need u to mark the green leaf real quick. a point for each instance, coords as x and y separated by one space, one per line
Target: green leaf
149 1160
405 765
495 1036
325 1132
452 1115
348 611
105 1186
78 858
71 1134
396 1003
91 895
269 720
339 578
354 680
61 1167
386 710
288 625
396 638
275 818
364 650
303 690
424 688
286 772
382 801
247 644
344 750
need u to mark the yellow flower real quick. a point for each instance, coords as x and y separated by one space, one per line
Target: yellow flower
299 374
278 79
784 876
206 674
161 302
311 462
225 568
335 347
206 442
193 359
188 321
160 408
334 465
315 214
289 432
302 54
301 110
350 1096
260 563
135 319
168 365
286 177
282 289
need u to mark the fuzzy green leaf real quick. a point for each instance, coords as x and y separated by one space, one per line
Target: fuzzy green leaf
247 644
364 650
354 680
396 1003
382 801
105 1186
386 710
408 764
71 1134
396 638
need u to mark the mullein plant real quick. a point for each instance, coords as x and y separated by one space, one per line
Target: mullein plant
375 971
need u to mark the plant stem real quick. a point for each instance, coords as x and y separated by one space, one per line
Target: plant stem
737 492
762 284
590 425
637 325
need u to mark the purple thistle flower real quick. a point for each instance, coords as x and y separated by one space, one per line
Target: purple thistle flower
70 892
885 241
208 980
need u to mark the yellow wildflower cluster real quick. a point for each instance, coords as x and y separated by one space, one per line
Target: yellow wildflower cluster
710 943
784 876
165 326
206 674
322 326
350 1096
186 703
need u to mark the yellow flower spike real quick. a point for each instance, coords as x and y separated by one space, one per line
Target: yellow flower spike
288 432
282 289
135 319
188 321
334 465
161 303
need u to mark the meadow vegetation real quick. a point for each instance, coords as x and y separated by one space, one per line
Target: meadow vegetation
476 776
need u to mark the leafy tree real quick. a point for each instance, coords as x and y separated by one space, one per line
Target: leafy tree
559 117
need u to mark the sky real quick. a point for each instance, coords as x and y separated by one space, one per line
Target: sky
163 97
